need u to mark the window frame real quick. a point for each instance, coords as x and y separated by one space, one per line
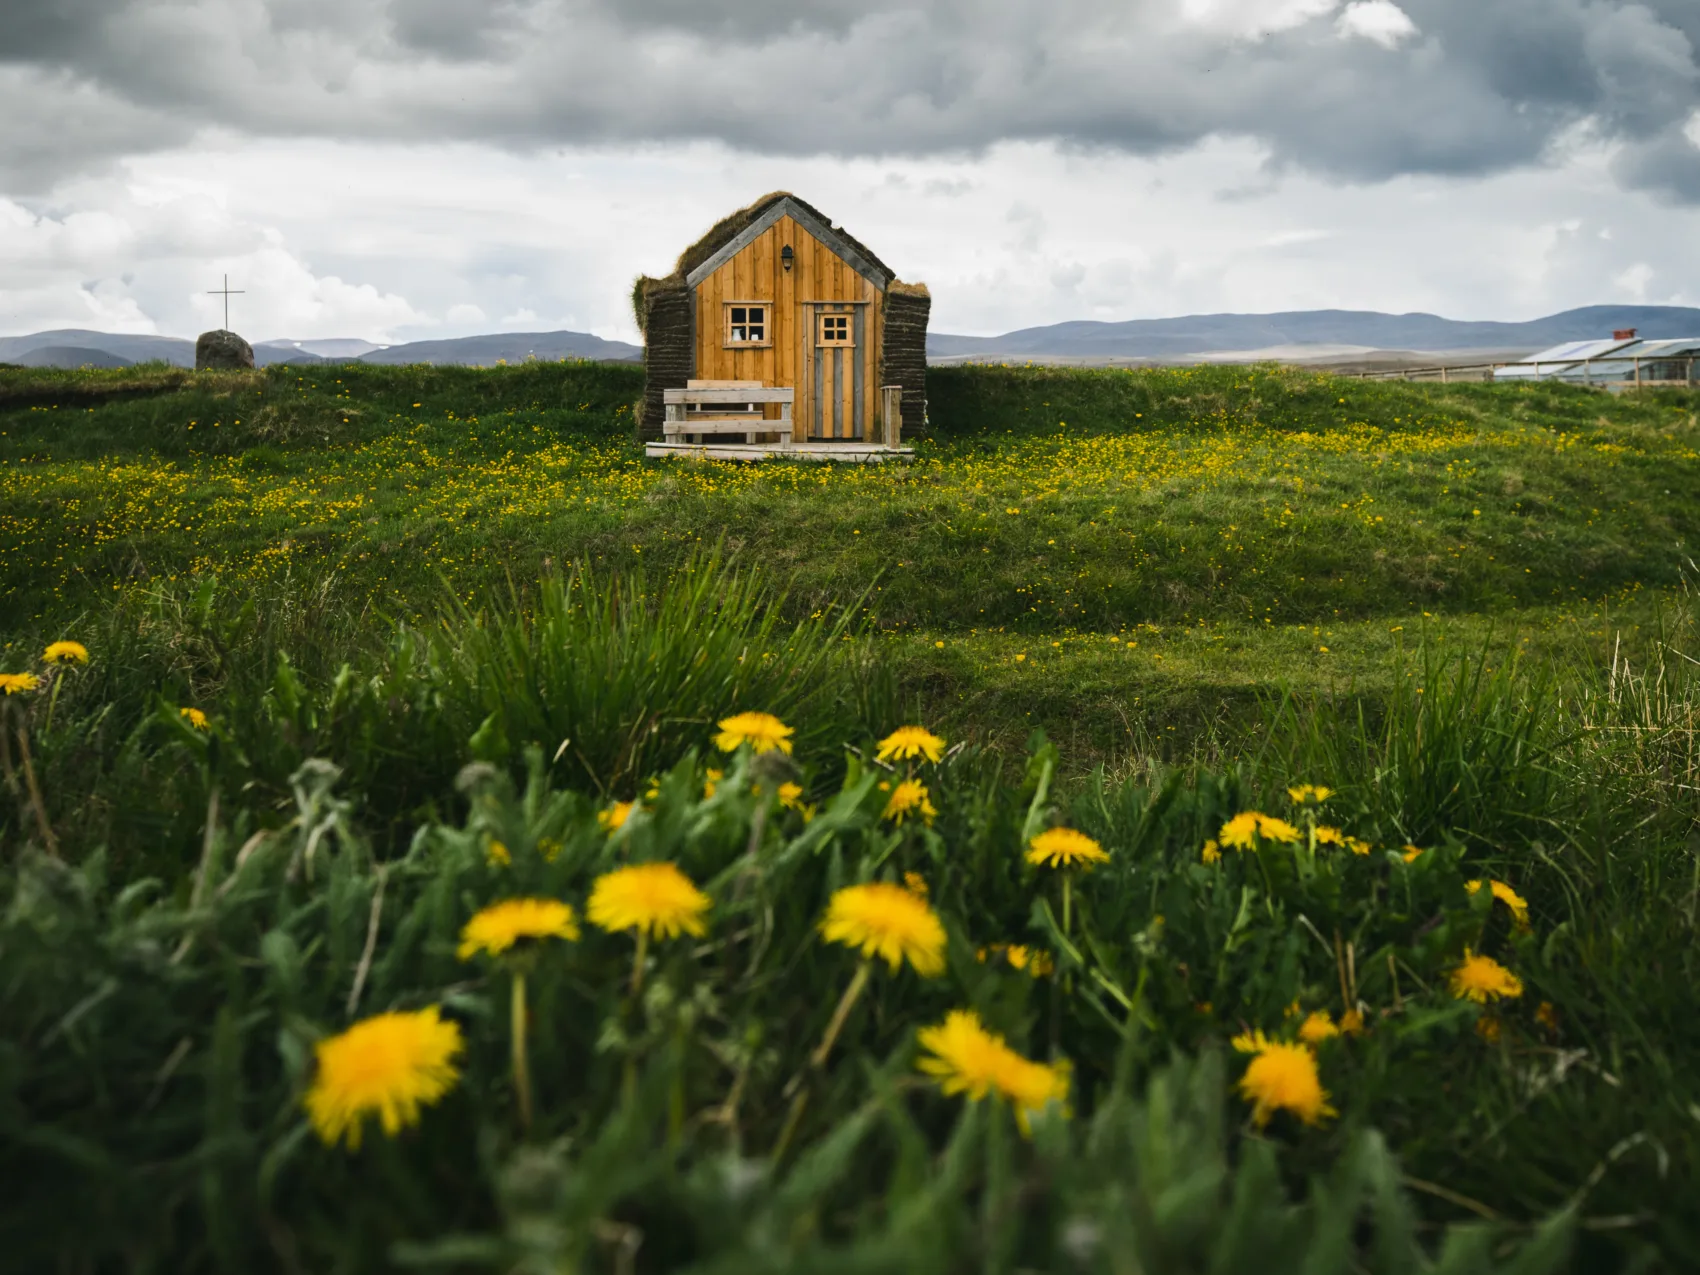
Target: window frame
821 340
726 325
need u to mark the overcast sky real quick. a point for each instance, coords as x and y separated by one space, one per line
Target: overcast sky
405 169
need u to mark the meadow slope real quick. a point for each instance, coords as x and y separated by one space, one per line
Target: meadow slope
368 649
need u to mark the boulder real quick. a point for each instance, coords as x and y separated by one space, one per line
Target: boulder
222 351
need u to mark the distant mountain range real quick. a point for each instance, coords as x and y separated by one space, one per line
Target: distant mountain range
1203 334
76 347
1296 334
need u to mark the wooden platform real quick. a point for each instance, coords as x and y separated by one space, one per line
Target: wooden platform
857 453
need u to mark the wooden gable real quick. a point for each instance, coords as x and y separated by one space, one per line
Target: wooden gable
822 320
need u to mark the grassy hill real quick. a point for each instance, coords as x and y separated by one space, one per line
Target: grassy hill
370 648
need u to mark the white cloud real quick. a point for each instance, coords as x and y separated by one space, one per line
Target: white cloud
1691 130
1253 19
393 243
1633 282
1380 21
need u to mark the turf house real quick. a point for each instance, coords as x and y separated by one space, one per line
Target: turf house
779 334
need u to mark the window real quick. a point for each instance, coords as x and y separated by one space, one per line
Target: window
747 324
835 330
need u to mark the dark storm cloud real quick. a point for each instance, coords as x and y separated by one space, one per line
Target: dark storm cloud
1475 88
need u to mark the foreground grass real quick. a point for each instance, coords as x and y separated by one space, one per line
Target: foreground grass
1463 608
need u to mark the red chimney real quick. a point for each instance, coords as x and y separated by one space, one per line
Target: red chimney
1623 334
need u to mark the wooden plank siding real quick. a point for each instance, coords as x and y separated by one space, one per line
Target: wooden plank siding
834 390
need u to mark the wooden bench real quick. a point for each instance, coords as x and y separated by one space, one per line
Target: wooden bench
727 407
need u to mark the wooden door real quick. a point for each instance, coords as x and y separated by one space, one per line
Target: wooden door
831 395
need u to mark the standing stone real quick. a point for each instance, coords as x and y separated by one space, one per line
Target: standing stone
221 351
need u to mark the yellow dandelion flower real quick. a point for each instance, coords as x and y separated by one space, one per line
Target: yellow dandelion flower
1032 1086
1036 961
916 884
1317 1027
1252 1042
1488 1028
791 796
1358 846
501 925
910 741
1240 832
1306 794
1481 979
614 818
1547 1017
652 898
966 1058
1330 836
1505 894
1410 852
389 1066
496 854
1273 829
887 921
66 653
1352 1022
763 732
1064 848
909 798
1211 852
194 716
710 781
1283 1077
13 683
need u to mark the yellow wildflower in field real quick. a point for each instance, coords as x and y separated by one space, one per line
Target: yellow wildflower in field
791 795
1410 853
1065 848
1358 846
1481 979
1330 836
1505 894
1488 1028
710 781
388 1066
496 854
967 1059
1352 1022
1243 829
1211 852
888 921
500 926
194 716
1317 1027
763 732
916 884
910 741
651 898
66 653
12 683
1306 794
614 818
1034 960
909 798
1282 1077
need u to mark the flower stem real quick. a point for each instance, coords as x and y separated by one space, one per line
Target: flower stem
845 1003
522 1067
637 961
53 700
799 1086
1067 899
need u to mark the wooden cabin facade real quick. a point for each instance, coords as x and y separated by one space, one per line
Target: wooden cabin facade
775 298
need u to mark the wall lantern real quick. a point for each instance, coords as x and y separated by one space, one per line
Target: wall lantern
786 256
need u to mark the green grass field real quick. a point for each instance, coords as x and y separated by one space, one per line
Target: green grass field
426 611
